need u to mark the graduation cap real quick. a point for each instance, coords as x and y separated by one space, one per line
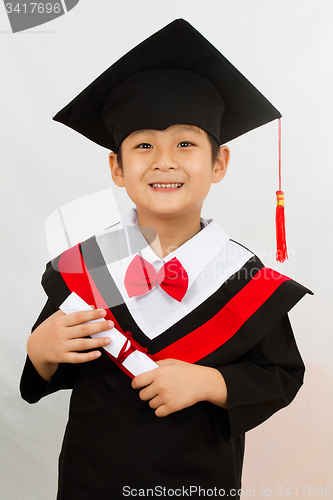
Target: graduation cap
174 76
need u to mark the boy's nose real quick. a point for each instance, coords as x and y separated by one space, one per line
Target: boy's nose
164 161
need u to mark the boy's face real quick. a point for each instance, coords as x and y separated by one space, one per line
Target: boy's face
168 173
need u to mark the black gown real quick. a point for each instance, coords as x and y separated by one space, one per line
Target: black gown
114 442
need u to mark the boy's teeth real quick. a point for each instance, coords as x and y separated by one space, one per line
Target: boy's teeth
174 185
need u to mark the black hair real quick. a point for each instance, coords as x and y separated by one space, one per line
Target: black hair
215 146
213 142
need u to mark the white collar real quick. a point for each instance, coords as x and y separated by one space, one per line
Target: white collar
195 254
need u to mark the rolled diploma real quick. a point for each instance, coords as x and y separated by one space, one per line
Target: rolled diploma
137 362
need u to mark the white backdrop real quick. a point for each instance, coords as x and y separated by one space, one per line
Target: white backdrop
285 48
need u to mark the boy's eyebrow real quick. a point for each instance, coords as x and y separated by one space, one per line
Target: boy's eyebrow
184 126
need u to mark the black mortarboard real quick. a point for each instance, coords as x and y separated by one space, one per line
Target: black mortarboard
174 76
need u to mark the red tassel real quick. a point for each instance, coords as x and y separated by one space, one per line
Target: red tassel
281 242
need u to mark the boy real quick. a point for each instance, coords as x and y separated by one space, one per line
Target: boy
205 309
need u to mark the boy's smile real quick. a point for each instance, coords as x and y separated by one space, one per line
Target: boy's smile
166 187
168 173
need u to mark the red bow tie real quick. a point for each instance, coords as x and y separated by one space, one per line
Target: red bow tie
141 277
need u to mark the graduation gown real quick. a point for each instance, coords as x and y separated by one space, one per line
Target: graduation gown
113 441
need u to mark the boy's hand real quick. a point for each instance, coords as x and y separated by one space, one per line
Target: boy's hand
60 336
176 385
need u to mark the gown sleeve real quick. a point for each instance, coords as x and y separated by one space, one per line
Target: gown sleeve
32 386
264 380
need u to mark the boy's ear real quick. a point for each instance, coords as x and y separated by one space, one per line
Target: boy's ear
221 164
116 172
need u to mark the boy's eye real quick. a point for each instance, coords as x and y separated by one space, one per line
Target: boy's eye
184 144
144 145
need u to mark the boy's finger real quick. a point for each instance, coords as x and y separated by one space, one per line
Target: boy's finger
143 379
156 402
148 393
85 344
76 357
77 318
163 411
86 329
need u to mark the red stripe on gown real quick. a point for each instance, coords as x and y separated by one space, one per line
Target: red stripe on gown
203 340
221 327
78 279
